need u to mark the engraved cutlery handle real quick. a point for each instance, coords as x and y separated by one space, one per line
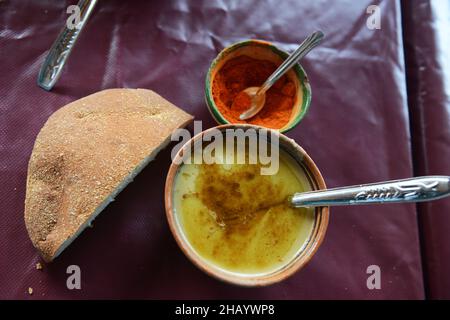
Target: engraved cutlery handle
406 190
312 41
61 48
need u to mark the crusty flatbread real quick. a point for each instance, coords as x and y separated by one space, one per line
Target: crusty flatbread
85 154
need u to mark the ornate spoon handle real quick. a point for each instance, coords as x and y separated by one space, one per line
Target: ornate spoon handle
61 48
406 190
305 47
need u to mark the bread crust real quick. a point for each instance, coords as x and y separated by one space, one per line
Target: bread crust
86 152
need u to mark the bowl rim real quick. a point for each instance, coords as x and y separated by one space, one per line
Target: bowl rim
298 70
299 261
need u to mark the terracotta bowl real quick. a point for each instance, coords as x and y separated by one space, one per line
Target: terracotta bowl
304 254
259 49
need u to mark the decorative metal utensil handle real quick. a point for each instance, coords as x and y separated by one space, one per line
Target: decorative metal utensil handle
61 48
406 190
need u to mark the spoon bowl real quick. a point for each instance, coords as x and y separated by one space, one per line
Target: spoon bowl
257 101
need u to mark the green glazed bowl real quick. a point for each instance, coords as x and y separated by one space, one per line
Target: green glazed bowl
266 51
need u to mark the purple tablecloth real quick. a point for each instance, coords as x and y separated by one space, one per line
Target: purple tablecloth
357 131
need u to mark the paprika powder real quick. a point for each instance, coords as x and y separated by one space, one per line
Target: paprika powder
242 72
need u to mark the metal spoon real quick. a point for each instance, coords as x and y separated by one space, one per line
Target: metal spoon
406 190
258 94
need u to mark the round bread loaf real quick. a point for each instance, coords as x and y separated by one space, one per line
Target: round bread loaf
85 154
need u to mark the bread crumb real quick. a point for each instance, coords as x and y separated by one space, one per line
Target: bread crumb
30 291
38 266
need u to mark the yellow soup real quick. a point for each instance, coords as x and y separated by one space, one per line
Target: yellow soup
239 220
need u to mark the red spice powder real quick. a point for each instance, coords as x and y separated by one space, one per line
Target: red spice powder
242 72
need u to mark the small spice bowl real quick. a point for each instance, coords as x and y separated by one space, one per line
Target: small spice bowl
261 50
302 251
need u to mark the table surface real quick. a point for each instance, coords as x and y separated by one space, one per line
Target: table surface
357 131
